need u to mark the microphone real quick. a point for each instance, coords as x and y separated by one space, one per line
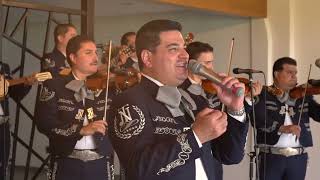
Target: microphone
314 82
201 70
317 63
245 71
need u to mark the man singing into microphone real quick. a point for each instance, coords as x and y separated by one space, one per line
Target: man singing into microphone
233 140
152 125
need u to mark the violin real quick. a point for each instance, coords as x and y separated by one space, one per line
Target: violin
210 89
296 92
121 79
126 78
299 91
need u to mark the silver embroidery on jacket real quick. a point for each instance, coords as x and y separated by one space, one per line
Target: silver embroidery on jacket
66 132
164 119
167 130
183 156
67 101
65 108
271 102
272 108
271 128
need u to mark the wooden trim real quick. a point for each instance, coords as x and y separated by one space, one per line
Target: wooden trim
245 8
87 20
41 7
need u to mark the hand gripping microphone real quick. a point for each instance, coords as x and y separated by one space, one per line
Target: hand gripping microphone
199 69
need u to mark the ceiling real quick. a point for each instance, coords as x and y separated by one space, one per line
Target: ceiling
114 7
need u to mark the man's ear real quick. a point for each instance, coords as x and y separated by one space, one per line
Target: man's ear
146 57
276 74
59 37
72 58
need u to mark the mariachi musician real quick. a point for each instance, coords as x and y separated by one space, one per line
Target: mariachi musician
16 92
282 124
72 116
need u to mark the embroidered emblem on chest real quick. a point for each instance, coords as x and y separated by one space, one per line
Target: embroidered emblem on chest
45 94
91 114
79 114
283 110
49 63
125 125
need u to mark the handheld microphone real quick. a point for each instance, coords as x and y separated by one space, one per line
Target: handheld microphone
245 71
314 82
201 70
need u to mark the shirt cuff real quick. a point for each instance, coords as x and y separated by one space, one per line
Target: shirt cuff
241 118
248 100
197 139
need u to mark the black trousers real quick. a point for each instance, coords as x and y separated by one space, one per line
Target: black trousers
278 167
68 168
4 149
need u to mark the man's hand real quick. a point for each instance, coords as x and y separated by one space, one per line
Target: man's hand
209 124
94 127
30 80
123 55
293 129
65 71
257 88
232 101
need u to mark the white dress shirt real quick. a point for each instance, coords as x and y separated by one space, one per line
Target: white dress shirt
287 140
86 142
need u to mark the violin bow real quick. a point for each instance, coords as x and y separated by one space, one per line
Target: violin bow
108 79
229 67
304 97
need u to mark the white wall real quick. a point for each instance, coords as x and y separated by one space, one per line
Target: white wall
306 50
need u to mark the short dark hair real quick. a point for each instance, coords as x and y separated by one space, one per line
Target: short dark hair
124 39
278 65
194 49
61 29
74 45
148 36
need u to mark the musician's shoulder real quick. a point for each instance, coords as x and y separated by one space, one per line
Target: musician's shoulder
5 67
58 80
136 95
134 91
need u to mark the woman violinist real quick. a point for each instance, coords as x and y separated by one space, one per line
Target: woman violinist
282 124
